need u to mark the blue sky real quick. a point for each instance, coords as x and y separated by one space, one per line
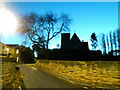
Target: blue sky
60 0
88 17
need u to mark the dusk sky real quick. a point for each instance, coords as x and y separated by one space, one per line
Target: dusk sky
88 17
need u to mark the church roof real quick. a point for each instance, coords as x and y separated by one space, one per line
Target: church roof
75 38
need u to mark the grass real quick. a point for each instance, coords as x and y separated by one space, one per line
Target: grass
11 78
96 74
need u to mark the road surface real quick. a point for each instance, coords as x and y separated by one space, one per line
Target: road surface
34 78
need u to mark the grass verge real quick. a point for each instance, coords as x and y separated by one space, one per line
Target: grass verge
95 74
11 78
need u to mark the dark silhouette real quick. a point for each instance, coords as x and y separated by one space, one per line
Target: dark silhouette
94 40
115 41
107 43
75 50
118 39
40 29
111 44
71 49
103 44
111 40
26 55
73 44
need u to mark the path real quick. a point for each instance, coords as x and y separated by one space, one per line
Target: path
34 78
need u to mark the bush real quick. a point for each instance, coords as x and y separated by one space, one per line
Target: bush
27 55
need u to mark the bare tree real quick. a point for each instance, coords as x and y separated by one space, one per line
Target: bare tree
115 41
111 40
30 28
40 29
118 38
103 43
53 25
107 42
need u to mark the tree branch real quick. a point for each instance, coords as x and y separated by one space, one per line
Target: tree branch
56 33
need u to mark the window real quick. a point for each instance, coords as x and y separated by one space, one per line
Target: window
17 51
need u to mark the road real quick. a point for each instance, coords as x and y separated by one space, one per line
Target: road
34 78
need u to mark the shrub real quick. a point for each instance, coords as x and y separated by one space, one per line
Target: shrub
27 55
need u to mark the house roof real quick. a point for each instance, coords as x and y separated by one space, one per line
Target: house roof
3 45
12 45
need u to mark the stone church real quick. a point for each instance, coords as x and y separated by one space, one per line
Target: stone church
71 49
73 44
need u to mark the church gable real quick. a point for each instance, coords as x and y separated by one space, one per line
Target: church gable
75 38
72 44
75 42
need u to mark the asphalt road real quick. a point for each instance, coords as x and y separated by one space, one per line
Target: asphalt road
34 78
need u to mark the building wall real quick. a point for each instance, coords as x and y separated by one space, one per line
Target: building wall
13 52
7 51
0 49
75 44
3 50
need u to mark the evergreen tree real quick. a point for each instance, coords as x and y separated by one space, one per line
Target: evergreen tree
94 41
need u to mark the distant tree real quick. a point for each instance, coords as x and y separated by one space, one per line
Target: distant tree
103 43
42 28
94 40
118 39
111 40
115 41
107 42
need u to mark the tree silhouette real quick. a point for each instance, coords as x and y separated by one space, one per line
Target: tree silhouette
53 25
42 28
26 54
94 40
111 40
107 42
103 43
115 40
118 38
30 28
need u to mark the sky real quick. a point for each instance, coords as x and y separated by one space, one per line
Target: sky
60 0
88 17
